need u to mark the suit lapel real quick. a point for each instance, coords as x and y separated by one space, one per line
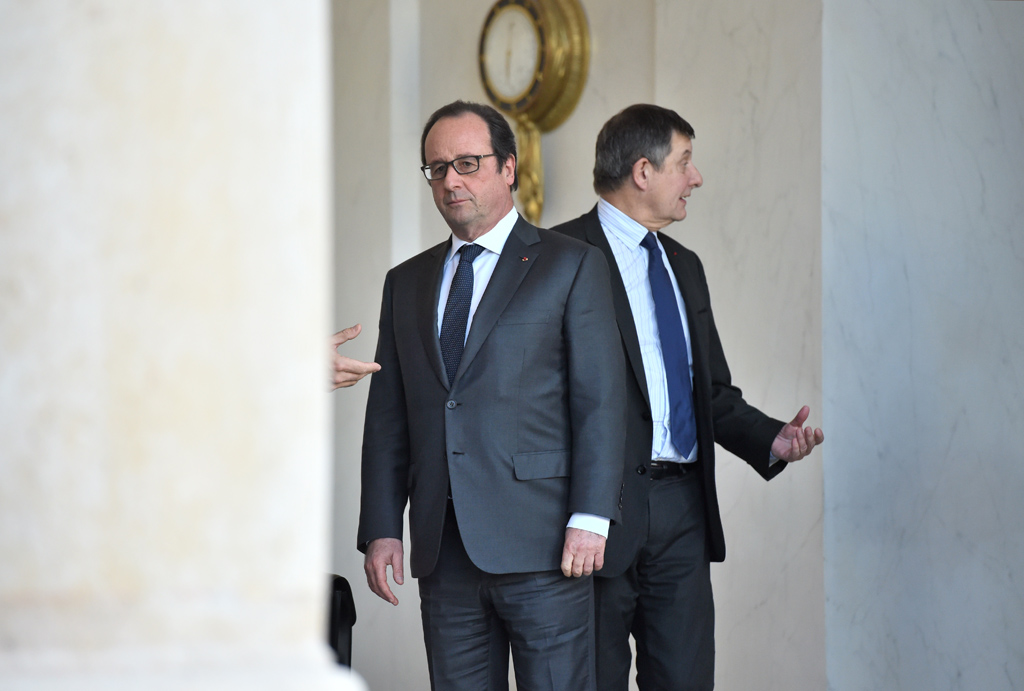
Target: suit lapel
429 292
523 242
623 314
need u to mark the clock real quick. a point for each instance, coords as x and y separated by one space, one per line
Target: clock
512 54
533 57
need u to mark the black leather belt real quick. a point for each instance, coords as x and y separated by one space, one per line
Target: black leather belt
663 469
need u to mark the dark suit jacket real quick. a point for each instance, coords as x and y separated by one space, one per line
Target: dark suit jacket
722 414
532 428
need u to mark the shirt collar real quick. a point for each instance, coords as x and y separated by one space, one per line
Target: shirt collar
493 240
628 231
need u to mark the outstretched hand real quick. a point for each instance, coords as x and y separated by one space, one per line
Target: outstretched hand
794 441
345 370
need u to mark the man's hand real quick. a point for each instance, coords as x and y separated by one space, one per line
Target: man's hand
793 443
583 553
347 371
379 554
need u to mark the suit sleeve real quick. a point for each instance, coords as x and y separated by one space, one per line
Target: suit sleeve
740 428
596 368
385 462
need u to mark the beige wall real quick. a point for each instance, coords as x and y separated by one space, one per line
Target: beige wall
748 79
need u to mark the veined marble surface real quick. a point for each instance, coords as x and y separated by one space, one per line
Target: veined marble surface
923 266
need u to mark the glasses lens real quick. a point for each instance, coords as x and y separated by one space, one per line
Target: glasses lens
466 164
436 171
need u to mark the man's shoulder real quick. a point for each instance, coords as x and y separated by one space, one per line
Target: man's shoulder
427 258
558 238
550 239
577 227
572 248
672 245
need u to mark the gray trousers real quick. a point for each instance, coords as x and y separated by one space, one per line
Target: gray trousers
472 619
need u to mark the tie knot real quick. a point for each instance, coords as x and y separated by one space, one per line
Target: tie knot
650 243
470 252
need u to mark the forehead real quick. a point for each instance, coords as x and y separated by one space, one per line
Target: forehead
682 147
462 135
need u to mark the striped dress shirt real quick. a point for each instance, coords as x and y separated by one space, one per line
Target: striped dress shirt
624 235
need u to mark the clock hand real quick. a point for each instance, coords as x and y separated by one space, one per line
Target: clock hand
508 53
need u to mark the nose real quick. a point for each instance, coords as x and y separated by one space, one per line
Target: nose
451 178
698 179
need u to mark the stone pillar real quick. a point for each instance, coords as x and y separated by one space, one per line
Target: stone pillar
164 294
923 271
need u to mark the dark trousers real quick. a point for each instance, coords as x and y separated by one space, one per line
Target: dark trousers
664 600
471 619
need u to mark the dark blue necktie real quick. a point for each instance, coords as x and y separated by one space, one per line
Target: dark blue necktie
456 311
673 349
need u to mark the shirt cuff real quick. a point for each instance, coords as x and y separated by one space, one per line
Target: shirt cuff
590 523
772 459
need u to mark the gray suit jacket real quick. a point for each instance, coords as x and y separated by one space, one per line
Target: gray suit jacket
722 414
530 431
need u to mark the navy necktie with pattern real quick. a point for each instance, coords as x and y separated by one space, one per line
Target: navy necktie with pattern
682 423
456 311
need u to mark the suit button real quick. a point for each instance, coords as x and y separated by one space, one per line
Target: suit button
640 469
451 405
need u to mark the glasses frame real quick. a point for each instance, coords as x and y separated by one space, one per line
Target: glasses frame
447 164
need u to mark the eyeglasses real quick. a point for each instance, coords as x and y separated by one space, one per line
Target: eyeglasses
463 165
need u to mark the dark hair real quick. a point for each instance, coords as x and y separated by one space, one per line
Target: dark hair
503 142
640 131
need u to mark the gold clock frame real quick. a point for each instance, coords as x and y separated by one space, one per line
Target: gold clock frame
555 90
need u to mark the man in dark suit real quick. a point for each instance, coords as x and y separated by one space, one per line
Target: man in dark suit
497 415
656 581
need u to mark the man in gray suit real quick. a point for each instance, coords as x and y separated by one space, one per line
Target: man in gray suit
497 415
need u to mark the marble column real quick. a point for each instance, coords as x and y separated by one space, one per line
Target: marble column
164 294
923 271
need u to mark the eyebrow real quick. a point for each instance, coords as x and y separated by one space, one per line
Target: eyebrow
458 156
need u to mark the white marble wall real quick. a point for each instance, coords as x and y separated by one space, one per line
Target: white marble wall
164 294
923 270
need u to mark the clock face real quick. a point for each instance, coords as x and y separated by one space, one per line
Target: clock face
511 52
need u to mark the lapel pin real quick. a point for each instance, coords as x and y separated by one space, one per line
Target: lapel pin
525 259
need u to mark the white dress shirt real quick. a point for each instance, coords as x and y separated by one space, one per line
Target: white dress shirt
625 235
493 242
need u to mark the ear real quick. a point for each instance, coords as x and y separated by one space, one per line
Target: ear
508 170
642 173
